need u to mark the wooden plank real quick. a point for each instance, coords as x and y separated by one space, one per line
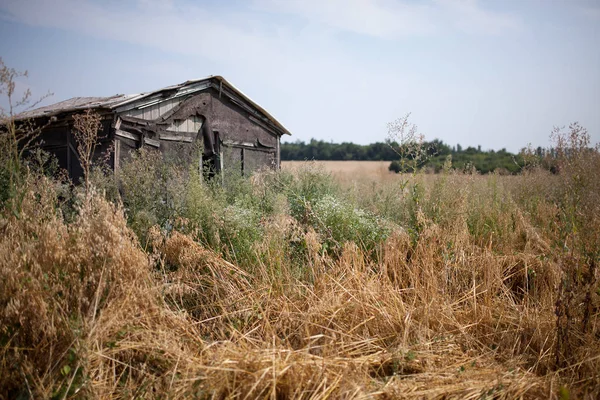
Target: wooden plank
133 120
241 145
117 154
149 113
157 97
278 154
198 121
74 152
149 103
135 113
242 160
127 135
235 143
259 144
155 112
190 125
68 151
152 142
176 138
174 127
174 108
167 106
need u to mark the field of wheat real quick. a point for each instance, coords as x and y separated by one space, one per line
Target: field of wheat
345 169
301 283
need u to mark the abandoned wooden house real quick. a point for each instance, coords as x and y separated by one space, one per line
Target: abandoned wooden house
233 131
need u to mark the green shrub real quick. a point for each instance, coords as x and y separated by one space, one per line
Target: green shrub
310 184
339 222
203 204
153 190
239 230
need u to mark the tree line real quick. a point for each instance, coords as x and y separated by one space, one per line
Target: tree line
431 156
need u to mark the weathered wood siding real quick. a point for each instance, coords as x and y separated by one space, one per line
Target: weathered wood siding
155 111
237 129
193 124
171 121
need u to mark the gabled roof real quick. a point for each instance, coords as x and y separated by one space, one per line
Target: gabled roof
121 101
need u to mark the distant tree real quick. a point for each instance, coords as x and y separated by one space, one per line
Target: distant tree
433 155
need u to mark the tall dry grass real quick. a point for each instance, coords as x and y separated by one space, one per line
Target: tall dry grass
472 287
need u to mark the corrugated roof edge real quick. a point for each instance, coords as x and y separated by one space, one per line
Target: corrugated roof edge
112 102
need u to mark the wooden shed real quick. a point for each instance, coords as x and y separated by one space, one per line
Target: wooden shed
234 132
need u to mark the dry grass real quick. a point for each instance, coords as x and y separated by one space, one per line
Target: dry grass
347 169
461 300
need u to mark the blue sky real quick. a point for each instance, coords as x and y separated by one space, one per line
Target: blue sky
499 74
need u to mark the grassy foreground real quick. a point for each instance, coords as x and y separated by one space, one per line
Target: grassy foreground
298 285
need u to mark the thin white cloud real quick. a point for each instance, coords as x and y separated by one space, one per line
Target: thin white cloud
392 19
261 49
182 29
378 18
469 16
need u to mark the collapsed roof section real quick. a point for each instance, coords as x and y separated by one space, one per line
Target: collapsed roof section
138 102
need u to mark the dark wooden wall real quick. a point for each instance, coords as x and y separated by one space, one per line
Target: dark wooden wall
57 138
237 128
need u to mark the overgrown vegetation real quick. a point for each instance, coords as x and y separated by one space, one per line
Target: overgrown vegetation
283 285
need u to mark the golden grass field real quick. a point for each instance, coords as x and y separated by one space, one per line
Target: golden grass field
354 168
359 284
